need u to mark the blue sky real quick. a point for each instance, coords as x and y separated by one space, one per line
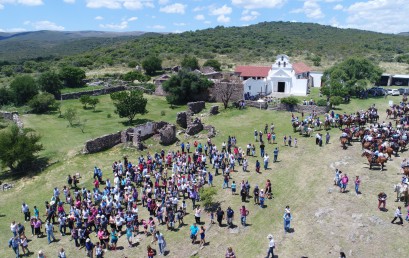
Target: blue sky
183 15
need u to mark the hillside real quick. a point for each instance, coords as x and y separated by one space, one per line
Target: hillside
262 42
34 44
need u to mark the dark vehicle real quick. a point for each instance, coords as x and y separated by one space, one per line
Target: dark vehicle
403 91
376 92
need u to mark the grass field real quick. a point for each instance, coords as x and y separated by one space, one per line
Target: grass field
324 221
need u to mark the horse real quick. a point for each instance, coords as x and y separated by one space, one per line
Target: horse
380 161
401 189
295 125
344 142
402 145
327 125
388 151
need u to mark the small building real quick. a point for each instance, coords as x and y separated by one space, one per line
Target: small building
400 80
316 79
209 73
281 77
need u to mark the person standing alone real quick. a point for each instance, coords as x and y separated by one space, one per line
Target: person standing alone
398 215
271 246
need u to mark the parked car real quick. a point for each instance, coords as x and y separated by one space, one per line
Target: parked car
390 91
395 92
403 91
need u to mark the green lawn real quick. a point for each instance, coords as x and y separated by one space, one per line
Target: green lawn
62 143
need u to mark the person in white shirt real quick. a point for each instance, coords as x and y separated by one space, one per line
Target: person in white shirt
25 209
271 246
13 228
398 215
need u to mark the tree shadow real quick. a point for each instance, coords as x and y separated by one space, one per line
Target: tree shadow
137 121
26 170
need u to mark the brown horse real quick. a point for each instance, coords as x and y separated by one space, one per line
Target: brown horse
295 125
406 171
380 161
367 145
344 143
388 151
402 145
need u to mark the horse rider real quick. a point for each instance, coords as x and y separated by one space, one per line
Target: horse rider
344 135
375 155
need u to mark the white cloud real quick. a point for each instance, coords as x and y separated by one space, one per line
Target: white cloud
180 24
69 1
132 19
99 18
44 25
248 15
200 8
224 10
163 2
157 27
207 22
118 4
258 4
389 16
338 7
311 9
119 26
174 8
200 17
222 18
22 2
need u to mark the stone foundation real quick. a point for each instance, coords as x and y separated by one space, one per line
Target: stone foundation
196 107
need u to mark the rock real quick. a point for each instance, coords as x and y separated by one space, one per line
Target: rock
214 110
181 119
194 253
196 107
167 135
211 131
195 127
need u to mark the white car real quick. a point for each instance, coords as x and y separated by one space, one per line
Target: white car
394 92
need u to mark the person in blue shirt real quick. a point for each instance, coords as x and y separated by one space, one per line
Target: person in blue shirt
193 232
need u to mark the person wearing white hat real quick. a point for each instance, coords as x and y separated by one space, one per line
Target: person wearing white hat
271 246
261 198
41 254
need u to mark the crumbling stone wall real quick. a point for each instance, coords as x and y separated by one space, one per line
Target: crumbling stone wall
196 107
307 109
102 143
77 95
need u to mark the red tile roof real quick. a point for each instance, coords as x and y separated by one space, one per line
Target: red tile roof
252 71
301 68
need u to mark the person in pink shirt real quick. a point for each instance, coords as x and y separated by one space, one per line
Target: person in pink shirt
243 214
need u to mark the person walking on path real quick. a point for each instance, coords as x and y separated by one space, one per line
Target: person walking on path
14 243
287 220
161 242
357 184
230 216
193 232
327 138
243 215
275 154
271 246
398 215
49 229
24 245
266 159
202 233
219 216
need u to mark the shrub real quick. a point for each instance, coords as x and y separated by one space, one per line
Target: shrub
321 102
206 196
290 100
42 103
163 113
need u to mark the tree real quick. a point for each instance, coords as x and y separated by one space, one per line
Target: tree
84 99
151 64
5 96
42 103
213 63
135 75
206 196
71 115
93 103
23 88
18 147
335 100
316 60
349 77
129 104
190 62
50 82
72 76
186 86
226 89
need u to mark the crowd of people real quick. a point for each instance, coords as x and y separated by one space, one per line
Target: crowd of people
163 185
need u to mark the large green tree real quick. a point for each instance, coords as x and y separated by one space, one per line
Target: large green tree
129 103
18 148
213 63
50 82
151 64
23 88
349 76
186 86
73 77
190 62
42 103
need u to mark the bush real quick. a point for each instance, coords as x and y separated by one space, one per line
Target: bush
206 196
42 103
335 100
321 102
23 88
163 113
290 100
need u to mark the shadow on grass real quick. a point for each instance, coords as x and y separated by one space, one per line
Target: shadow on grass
137 121
26 170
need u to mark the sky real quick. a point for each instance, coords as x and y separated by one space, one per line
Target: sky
387 16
